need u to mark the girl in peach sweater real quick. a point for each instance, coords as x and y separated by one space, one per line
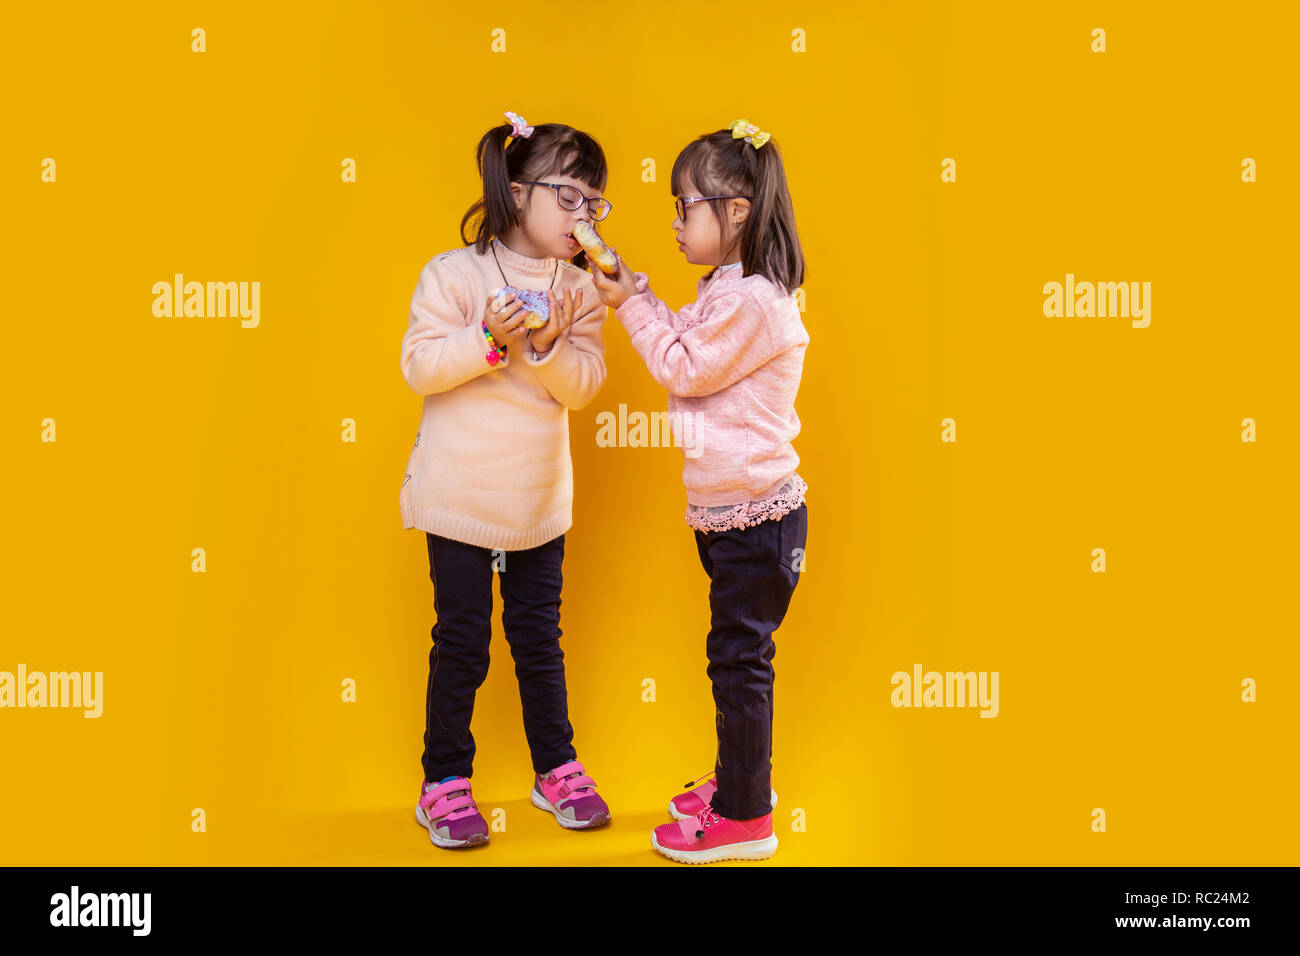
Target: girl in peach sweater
490 479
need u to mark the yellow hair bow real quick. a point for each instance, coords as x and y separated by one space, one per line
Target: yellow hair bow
751 133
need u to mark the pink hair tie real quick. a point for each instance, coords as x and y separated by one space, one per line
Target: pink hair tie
518 126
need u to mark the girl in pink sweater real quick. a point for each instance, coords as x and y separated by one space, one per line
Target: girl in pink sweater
489 479
731 362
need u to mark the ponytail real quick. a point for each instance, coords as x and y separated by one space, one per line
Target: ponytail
771 243
495 212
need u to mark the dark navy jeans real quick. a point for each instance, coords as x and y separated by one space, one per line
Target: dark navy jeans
458 661
753 573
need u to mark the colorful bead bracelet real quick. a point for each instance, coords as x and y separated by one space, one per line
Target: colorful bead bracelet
496 352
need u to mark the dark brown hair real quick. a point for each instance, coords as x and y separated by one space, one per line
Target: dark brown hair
553 149
720 165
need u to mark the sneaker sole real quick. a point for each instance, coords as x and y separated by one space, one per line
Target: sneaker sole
539 801
678 815
477 839
751 850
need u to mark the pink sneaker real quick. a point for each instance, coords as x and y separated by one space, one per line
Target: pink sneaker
449 813
707 838
686 805
571 795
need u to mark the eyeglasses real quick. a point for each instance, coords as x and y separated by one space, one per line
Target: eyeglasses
682 203
570 197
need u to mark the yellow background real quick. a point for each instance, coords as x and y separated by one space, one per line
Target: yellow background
924 301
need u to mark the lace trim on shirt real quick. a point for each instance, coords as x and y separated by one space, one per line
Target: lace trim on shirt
728 517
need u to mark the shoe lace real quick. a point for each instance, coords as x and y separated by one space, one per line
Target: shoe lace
707 818
690 784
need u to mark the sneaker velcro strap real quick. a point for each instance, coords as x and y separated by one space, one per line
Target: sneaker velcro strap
564 769
568 787
445 805
440 800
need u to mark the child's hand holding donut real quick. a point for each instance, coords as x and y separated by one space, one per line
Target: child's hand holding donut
562 313
506 321
614 291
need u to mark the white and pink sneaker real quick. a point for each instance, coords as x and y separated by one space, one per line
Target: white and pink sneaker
448 812
708 838
686 805
570 794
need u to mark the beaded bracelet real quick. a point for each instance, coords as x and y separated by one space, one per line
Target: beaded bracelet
496 352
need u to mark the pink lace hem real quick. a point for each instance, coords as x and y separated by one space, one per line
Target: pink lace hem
728 517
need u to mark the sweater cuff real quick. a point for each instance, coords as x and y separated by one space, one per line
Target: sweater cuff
637 311
536 361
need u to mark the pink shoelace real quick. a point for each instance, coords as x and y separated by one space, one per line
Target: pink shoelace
690 784
707 818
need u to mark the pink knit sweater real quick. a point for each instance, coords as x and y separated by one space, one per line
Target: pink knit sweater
732 362
490 465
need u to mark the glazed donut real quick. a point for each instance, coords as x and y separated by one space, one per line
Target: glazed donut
595 248
534 300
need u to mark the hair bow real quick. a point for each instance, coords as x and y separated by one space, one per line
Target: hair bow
751 133
519 125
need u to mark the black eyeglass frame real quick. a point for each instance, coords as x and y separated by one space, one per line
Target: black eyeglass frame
608 206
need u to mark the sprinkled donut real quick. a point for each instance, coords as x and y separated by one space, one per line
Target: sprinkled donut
595 248
535 301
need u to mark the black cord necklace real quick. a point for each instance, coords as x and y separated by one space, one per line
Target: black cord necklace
503 272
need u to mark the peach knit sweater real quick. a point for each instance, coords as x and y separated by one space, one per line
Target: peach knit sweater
491 465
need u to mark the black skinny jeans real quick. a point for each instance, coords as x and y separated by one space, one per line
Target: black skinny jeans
752 573
458 661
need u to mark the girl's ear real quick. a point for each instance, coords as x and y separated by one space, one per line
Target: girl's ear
739 210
